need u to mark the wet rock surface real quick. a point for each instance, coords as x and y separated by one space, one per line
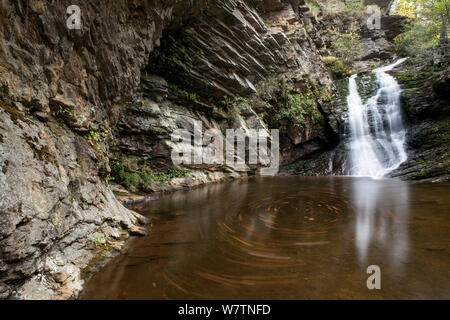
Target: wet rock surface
426 82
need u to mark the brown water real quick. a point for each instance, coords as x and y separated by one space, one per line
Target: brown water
288 238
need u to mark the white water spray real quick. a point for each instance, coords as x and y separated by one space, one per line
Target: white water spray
377 133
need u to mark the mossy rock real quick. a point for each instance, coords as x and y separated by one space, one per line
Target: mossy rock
366 83
15 113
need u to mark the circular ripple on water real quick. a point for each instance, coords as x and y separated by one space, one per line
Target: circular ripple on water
263 242
288 218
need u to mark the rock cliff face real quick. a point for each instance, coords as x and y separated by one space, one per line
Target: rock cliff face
228 67
74 102
425 81
59 90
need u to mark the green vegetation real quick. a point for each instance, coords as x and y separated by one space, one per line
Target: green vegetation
343 39
431 137
232 103
123 177
184 93
347 18
142 178
414 78
14 113
429 25
346 45
338 8
366 83
170 174
347 48
337 66
134 103
99 238
314 6
298 106
68 112
93 137
355 6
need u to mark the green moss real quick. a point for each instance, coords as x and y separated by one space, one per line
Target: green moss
183 93
298 106
94 263
125 178
414 78
431 172
143 178
340 97
407 106
232 103
433 141
437 135
366 83
98 238
338 68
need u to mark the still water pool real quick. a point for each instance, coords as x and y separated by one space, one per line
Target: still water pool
288 238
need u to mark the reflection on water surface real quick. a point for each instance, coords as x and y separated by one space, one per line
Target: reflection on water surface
288 238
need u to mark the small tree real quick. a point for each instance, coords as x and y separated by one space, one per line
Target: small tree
347 46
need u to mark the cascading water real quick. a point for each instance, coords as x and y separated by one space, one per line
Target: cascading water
376 127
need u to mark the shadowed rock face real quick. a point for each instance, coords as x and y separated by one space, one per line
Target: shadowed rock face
230 50
62 97
425 81
90 69
379 43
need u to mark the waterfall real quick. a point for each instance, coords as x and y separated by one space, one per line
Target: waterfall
376 127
